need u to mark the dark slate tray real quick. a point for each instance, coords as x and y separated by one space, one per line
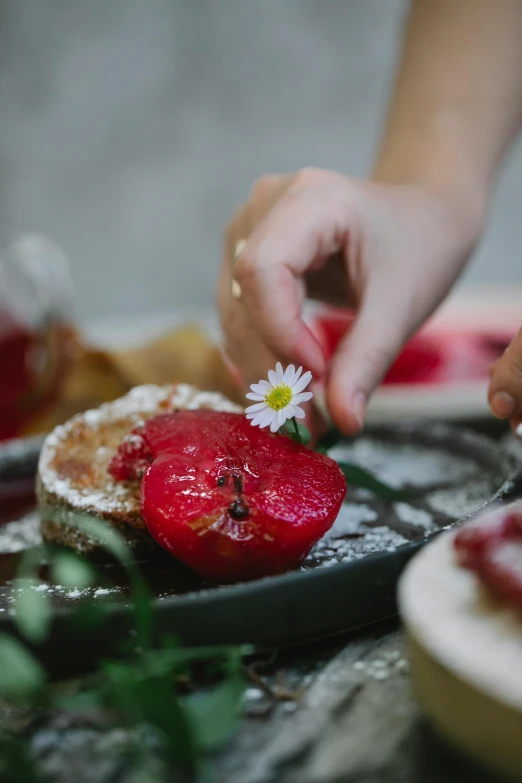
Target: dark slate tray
348 580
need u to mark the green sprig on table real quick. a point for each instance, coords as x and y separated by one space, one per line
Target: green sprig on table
143 687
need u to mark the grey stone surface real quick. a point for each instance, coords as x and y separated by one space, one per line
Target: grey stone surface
130 129
353 720
356 722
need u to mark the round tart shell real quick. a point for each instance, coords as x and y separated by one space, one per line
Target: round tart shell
466 652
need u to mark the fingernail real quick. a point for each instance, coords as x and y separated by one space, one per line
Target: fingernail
503 405
518 431
359 407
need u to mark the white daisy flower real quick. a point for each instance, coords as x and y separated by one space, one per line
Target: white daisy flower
278 398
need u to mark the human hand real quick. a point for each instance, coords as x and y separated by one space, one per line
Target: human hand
505 386
391 251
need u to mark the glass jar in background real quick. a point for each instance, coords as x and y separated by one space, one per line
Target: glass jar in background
36 329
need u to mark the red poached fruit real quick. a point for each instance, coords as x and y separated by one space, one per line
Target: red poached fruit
229 500
492 548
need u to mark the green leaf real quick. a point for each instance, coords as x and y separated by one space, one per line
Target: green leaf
359 477
214 714
88 615
327 441
298 432
106 536
31 600
111 540
16 761
205 773
142 608
33 610
83 701
72 571
21 675
226 656
151 699
31 562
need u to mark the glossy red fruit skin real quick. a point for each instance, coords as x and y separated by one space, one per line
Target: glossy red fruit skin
492 548
234 502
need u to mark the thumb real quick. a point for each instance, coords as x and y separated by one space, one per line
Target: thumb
505 388
382 326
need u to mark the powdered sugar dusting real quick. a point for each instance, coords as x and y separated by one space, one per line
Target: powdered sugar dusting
20 534
366 523
357 540
415 516
349 520
459 502
57 592
381 668
400 464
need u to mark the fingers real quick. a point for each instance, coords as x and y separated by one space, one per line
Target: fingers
300 233
247 354
505 387
248 358
382 326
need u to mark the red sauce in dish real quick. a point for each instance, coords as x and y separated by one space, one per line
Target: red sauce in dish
430 357
33 364
16 347
227 499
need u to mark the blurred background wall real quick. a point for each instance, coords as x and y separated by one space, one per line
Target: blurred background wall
130 130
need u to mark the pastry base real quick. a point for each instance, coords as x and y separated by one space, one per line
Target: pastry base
466 651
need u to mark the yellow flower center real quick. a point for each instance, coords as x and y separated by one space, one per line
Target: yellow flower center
279 397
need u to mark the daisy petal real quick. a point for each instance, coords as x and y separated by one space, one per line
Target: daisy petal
298 412
260 406
263 418
274 426
297 375
270 416
281 417
272 377
256 397
279 372
289 375
302 383
259 420
260 388
302 397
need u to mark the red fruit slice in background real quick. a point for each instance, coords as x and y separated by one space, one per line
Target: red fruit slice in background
233 501
431 357
501 569
472 541
492 548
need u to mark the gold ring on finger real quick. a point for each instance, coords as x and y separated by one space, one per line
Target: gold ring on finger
235 288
